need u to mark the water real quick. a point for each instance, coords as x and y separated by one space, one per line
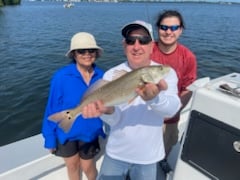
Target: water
35 36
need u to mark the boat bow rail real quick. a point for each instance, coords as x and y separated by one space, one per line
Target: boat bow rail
27 159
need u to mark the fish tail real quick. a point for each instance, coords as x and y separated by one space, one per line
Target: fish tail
64 119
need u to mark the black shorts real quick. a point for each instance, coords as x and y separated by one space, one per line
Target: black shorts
86 150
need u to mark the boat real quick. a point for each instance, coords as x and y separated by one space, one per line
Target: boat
68 4
208 145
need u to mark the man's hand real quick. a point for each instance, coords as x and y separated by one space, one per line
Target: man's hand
96 109
150 90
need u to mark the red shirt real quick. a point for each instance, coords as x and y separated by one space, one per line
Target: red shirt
183 61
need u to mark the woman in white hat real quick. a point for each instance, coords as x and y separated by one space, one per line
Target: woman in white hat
80 144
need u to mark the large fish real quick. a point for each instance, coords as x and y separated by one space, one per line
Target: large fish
118 91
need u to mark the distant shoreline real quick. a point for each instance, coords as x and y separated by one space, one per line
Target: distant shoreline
9 2
144 1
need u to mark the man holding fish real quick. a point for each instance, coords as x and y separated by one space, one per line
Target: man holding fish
135 143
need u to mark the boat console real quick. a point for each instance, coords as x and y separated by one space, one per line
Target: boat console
210 148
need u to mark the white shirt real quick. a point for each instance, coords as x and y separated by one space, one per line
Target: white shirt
136 129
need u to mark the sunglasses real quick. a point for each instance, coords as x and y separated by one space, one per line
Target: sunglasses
172 28
143 40
83 51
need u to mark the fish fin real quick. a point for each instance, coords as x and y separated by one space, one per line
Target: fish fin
64 119
66 125
118 73
98 84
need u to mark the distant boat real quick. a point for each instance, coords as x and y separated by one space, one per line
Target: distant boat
68 4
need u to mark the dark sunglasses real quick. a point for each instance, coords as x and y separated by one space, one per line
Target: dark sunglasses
83 51
172 28
130 40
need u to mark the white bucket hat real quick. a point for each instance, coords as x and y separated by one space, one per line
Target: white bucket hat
136 25
83 40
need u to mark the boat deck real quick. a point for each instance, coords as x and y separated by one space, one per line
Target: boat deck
44 167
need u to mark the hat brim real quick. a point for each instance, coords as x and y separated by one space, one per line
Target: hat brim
100 51
129 28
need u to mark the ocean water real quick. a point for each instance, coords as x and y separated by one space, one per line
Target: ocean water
35 36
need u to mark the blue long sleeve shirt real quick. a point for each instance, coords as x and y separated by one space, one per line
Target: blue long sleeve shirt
66 91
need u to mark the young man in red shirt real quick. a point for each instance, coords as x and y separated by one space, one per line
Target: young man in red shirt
167 50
